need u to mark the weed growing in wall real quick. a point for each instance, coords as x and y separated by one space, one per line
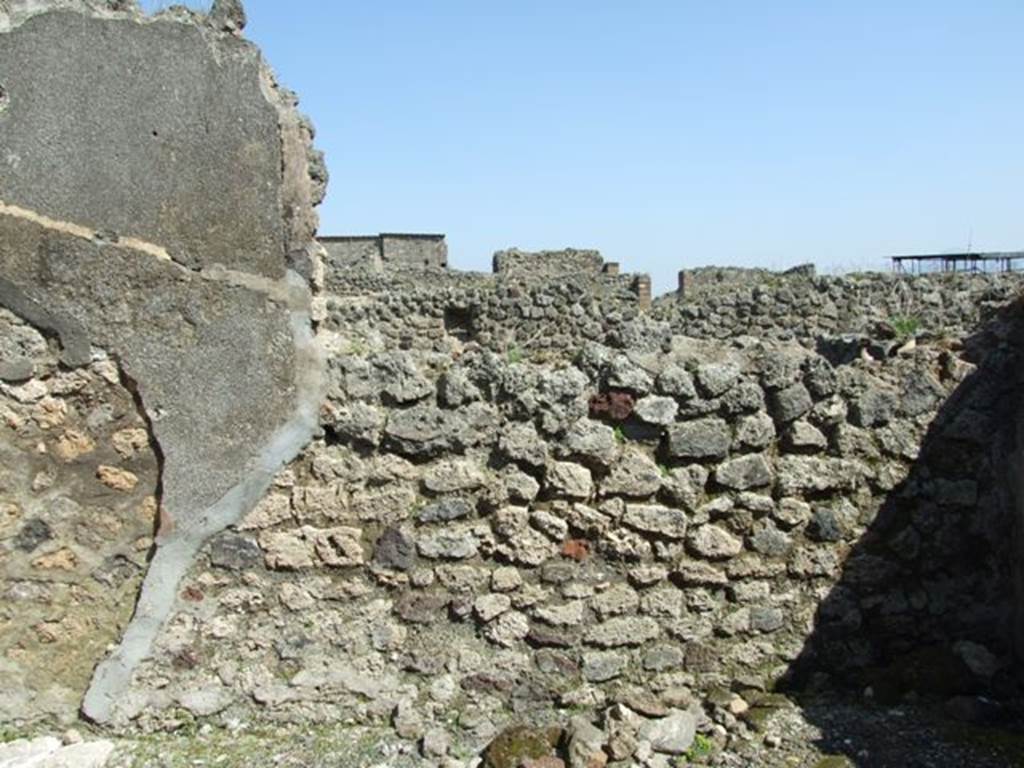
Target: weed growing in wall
698 752
906 326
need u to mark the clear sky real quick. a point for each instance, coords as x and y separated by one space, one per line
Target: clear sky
665 133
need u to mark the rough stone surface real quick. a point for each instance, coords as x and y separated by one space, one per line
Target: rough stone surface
173 233
527 494
713 542
672 735
791 403
745 472
48 752
664 521
569 480
660 411
701 439
634 475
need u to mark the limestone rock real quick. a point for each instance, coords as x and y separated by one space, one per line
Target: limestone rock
634 475
707 438
713 543
287 550
791 512
805 437
671 735
445 510
585 743
658 520
116 478
568 615
601 666
489 607
527 547
744 472
676 381
48 752
506 579
357 422
592 441
448 544
791 403
130 442
619 599
569 480
803 474
660 411
436 743
623 631
507 629
715 379
340 547
553 526
520 442
623 373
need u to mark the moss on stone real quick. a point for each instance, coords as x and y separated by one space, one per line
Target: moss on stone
518 742
834 761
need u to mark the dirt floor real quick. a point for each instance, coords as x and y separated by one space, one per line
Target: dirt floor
824 732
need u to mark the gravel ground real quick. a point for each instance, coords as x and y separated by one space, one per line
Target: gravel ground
826 732
832 733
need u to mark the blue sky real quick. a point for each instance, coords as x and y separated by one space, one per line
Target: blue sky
665 134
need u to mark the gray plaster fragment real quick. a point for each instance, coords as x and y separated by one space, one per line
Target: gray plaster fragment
128 234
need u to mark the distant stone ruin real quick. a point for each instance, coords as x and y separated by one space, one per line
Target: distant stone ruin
246 477
375 252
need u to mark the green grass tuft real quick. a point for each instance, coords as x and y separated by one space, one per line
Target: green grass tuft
906 326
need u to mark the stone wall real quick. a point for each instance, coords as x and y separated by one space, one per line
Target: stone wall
78 485
448 503
362 252
533 303
414 250
374 253
478 541
800 306
705 281
545 266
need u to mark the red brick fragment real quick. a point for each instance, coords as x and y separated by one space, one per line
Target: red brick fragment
577 549
617 406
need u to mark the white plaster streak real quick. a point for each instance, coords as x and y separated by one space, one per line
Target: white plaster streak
85 233
282 292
